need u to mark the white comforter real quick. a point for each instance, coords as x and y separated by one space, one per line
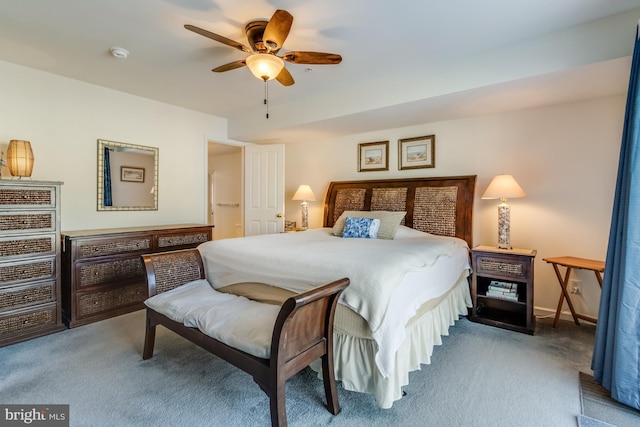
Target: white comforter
300 261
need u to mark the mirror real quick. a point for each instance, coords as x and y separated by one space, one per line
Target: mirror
127 177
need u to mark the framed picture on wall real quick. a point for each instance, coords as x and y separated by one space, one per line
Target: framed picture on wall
373 156
131 174
417 153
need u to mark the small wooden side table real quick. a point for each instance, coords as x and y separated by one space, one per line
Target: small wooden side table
570 263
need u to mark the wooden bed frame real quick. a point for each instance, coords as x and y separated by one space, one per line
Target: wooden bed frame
438 205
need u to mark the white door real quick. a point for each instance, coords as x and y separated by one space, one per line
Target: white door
264 189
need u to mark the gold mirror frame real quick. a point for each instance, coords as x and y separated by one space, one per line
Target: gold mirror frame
147 175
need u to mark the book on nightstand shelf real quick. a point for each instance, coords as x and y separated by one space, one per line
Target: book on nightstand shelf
504 290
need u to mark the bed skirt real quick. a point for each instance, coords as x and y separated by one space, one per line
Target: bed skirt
354 354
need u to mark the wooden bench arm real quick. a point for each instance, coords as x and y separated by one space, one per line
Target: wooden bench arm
168 270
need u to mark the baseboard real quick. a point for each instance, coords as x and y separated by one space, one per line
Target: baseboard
543 312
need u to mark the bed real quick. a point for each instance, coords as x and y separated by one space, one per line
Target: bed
405 292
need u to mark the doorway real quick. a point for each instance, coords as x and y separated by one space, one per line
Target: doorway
225 193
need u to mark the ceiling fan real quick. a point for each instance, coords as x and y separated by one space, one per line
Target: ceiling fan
265 40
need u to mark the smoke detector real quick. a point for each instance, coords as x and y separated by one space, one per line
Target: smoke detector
119 52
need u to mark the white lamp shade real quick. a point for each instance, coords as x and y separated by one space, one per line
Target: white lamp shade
20 158
304 193
265 66
503 187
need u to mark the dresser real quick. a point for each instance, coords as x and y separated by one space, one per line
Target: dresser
29 260
102 270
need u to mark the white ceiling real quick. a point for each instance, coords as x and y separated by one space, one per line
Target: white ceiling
405 62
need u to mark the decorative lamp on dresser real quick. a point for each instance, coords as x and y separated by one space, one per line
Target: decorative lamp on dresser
102 270
29 260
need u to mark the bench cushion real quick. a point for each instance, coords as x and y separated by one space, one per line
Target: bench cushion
234 320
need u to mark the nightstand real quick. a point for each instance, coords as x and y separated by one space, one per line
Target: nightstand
502 288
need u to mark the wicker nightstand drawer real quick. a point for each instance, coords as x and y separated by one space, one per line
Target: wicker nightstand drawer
492 265
14 196
97 302
20 322
20 246
102 247
176 240
26 271
23 296
27 221
109 271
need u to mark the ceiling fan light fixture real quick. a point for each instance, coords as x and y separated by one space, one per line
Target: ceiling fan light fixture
265 66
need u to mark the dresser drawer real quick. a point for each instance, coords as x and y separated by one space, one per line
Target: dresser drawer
22 321
27 221
511 268
20 246
93 303
171 241
17 196
22 271
22 296
90 274
100 247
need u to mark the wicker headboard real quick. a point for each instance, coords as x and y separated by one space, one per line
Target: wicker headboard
442 206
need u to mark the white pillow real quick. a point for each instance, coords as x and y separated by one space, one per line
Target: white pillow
389 222
404 232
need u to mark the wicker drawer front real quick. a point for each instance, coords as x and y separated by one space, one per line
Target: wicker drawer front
173 240
112 247
23 271
105 272
27 221
97 302
493 265
23 321
38 196
28 245
22 296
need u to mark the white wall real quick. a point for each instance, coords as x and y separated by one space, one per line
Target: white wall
64 118
564 157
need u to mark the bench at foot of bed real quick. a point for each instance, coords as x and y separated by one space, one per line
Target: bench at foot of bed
284 340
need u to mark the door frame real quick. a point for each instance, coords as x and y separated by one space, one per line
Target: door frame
205 150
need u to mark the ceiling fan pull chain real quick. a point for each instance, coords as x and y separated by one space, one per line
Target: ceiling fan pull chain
266 96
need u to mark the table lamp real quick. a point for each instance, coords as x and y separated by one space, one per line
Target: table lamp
503 187
20 158
305 194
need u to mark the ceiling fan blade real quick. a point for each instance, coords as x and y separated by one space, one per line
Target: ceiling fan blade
285 78
277 30
312 58
218 38
230 66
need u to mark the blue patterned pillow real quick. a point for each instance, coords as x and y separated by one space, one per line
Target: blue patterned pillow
361 227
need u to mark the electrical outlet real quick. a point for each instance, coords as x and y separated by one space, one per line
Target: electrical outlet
574 286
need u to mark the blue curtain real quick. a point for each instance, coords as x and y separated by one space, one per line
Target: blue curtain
107 197
616 354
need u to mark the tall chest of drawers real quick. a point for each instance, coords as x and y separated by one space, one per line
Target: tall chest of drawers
29 260
102 270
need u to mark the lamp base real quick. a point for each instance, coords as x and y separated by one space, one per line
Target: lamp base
305 216
504 226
